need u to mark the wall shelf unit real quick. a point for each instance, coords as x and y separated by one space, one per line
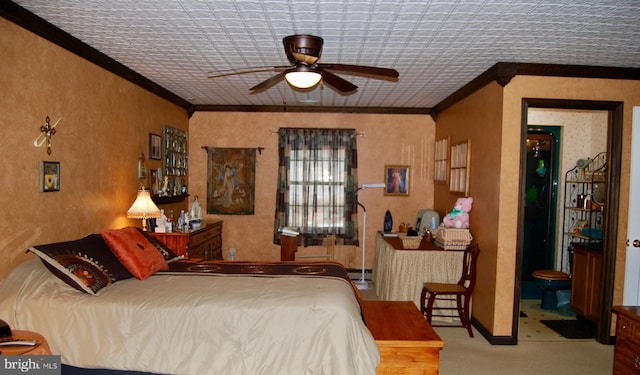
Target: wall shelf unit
158 199
174 165
585 191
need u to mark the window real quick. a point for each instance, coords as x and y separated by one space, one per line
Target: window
321 175
317 183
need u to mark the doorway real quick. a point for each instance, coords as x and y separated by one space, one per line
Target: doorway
610 226
540 212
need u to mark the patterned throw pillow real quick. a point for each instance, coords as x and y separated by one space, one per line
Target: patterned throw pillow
134 251
87 264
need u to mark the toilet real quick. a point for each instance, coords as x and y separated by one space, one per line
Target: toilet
550 281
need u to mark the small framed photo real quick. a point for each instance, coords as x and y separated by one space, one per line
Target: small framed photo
153 181
49 176
155 146
397 180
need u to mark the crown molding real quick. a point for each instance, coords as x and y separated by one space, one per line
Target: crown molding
503 73
29 21
311 109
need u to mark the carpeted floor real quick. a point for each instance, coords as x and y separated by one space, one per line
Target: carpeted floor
463 355
540 350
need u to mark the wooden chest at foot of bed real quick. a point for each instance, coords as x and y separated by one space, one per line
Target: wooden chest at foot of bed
407 343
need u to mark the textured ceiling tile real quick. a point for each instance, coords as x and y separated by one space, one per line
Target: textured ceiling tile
436 45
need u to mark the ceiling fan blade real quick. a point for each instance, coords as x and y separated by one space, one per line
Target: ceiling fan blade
337 82
268 83
256 69
362 69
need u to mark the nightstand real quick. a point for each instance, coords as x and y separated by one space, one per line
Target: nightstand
42 348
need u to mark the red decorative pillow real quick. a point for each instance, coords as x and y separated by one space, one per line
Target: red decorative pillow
134 251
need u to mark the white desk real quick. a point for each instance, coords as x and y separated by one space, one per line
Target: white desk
399 274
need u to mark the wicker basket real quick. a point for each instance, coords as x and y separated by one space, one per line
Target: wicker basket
410 242
453 238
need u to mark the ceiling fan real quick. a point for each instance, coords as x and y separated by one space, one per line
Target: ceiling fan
305 72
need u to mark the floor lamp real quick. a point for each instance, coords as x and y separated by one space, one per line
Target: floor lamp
362 283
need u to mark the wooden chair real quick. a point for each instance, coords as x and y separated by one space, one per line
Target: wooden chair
330 248
459 292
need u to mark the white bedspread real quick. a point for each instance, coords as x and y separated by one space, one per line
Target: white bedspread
196 324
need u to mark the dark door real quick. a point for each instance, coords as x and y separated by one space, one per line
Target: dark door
540 204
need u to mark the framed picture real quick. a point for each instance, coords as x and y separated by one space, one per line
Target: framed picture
49 176
155 146
397 180
231 181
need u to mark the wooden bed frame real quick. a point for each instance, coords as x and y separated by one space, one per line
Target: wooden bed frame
407 343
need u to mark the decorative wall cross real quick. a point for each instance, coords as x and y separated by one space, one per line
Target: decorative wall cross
46 132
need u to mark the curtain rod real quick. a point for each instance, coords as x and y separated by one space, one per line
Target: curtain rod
362 134
206 148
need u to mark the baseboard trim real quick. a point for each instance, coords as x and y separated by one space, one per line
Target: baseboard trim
356 274
493 340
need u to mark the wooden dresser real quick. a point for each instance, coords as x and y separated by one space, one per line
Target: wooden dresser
626 358
408 345
205 242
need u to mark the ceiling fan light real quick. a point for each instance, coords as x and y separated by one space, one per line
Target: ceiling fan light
303 80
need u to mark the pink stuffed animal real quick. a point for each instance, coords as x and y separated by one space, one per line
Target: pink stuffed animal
459 217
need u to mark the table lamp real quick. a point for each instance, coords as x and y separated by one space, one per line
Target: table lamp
143 208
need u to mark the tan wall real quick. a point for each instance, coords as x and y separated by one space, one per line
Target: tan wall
389 139
105 125
478 118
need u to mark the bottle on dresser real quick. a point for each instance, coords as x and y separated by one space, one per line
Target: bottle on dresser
170 222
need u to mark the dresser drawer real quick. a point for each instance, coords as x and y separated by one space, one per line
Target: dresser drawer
211 249
627 328
205 235
207 242
626 358
198 251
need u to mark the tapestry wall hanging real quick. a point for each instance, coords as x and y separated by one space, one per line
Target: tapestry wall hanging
231 180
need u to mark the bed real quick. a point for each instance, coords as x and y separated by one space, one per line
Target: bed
198 318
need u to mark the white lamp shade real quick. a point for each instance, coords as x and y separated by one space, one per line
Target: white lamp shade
303 79
143 207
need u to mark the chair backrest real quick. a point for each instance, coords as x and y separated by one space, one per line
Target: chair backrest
469 263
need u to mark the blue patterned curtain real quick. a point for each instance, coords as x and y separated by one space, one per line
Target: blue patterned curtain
317 182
